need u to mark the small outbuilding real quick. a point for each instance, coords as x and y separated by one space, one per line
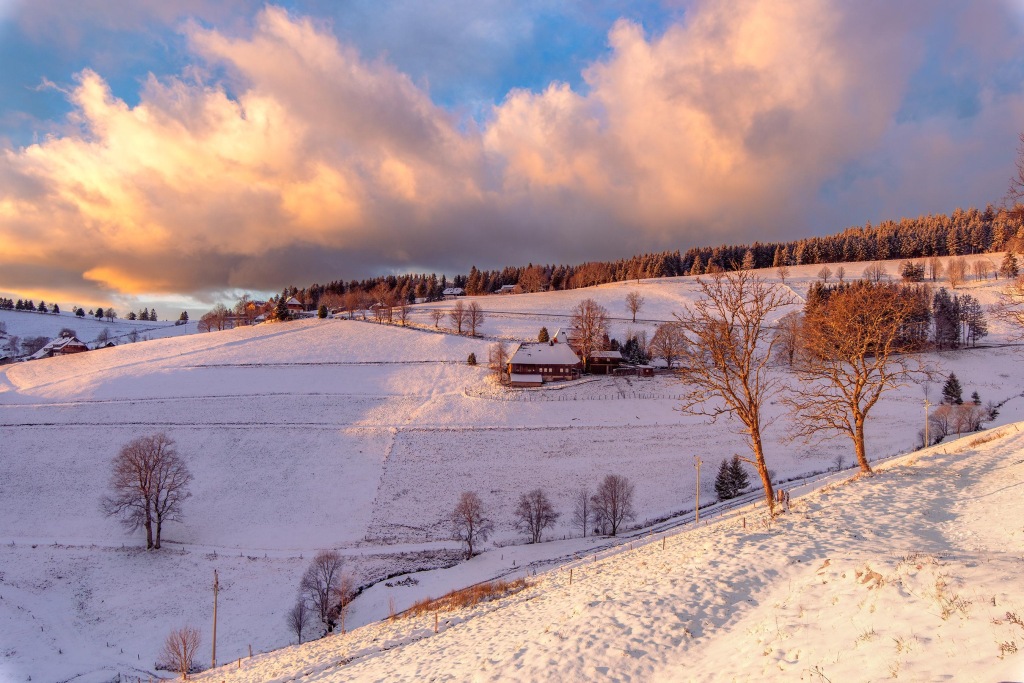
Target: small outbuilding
604 362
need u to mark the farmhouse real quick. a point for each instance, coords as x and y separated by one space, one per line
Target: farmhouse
62 346
453 292
294 306
508 289
535 363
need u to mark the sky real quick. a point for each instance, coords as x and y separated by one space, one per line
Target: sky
178 154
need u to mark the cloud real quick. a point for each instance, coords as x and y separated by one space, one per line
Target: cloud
281 155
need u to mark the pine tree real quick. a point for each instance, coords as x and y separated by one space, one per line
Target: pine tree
748 261
731 479
183 317
42 307
132 315
99 313
321 312
975 398
952 393
1009 268
282 312
471 360
152 316
543 336
723 482
55 309
80 313
740 478
946 315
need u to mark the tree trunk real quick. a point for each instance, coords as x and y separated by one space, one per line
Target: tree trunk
858 445
159 524
762 470
149 534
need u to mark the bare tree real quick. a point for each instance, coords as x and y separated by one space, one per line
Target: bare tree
875 272
825 273
148 485
787 334
180 650
457 316
498 359
403 312
840 273
613 502
474 317
726 365
1015 193
589 327
854 348
1010 308
436 314
668 342
783 272
956 271
583 512
534 514
469 523
344 594
934 267
298 618
319 584
634 302
982 267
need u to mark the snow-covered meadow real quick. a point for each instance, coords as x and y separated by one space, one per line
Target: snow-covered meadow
351 435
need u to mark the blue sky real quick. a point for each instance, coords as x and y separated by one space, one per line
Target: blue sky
183 152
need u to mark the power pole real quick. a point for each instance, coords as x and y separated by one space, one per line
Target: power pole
216 588
697 462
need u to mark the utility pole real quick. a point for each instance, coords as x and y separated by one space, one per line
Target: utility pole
216 588
697 462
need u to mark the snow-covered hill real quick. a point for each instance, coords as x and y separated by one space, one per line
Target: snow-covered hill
910 574
351 435
24 324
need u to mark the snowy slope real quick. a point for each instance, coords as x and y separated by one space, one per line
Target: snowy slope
342 434
25 324
911 574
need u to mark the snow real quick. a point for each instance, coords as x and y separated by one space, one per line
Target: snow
358 436
891 576
544 354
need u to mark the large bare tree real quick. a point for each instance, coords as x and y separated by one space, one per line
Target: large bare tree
854 346
589 326
726 366
668 342
148 485
634 302
457 316
320 583
180 650
613 502
469 522
534 514
474 317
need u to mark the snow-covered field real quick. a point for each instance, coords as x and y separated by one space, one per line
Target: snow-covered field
356 436
911 574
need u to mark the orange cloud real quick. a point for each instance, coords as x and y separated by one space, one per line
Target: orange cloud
320 164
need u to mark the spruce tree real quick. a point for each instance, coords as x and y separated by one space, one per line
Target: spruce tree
321 312
471 360
282 312
99 313
183 317
55 309
740 479
543 336
952 393
1009 268
975 398
723 482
